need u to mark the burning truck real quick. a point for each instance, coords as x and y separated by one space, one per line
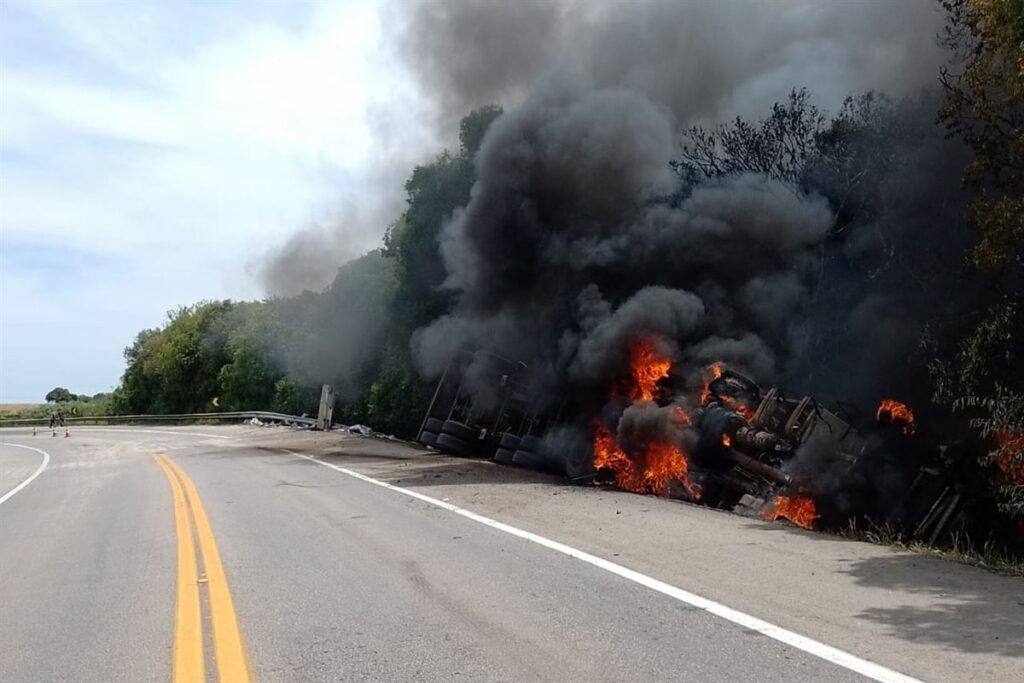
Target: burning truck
723 441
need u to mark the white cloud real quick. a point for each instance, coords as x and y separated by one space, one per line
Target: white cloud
182 141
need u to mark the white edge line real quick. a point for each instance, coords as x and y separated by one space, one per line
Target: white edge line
39 470
809 645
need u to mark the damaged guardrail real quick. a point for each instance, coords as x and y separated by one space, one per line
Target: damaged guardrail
262 415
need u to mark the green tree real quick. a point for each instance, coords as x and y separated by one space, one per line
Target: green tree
246 380
58 395
175 369
984 106
292 398
473 128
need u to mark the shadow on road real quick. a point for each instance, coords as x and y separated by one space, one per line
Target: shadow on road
972 611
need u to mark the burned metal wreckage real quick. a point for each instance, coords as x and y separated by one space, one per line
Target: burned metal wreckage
731 445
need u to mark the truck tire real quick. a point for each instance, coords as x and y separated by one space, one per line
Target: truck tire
503 456
454 445
510 442
428 438
460 431
529 460
433 425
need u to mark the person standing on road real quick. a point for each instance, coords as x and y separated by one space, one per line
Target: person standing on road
56 419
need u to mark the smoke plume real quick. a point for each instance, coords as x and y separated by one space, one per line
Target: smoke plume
578 239
710 60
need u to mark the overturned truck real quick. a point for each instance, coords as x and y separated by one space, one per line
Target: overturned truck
749 450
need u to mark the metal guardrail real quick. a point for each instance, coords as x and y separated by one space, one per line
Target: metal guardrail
263 415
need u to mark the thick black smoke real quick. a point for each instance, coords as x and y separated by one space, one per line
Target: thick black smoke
567 252
579 240
710 60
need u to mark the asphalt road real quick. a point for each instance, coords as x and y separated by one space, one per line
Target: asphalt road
330 577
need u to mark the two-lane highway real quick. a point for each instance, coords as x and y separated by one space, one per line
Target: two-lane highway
169 554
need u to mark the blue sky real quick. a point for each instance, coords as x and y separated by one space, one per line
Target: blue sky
151 152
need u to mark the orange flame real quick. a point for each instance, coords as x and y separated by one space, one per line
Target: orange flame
648 367
741 408
657 464
800 511
714 372
897 413
726 441
1010 456
649 471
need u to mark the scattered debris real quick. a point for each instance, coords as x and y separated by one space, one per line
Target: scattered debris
362 430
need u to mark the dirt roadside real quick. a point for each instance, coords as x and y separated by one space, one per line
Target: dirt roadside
928 618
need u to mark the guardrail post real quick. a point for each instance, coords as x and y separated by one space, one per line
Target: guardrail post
324 417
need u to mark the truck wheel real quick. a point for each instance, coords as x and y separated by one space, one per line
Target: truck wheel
433 425
454 445
510 442
528 460
428 438
460 431
503 456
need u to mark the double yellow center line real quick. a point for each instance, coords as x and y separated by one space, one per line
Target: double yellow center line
229 648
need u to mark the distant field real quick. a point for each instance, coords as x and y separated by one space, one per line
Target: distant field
84 407
15 408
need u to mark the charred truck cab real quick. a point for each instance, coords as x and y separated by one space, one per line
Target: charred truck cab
749 439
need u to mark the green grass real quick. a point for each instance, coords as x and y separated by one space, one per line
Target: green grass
962 551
